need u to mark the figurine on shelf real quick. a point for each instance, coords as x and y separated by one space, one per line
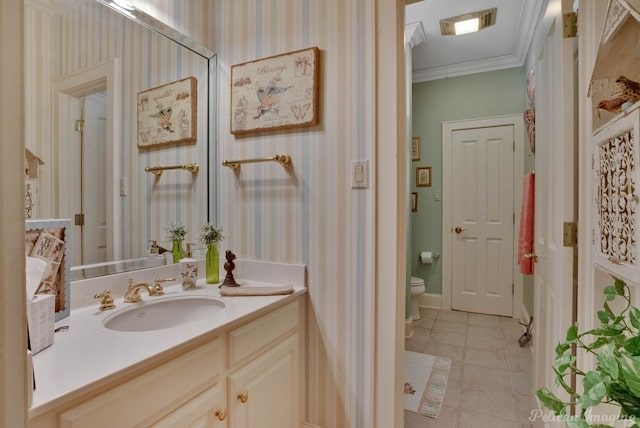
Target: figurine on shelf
625 93
229 266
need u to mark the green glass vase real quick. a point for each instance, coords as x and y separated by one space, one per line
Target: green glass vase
212 264
177 250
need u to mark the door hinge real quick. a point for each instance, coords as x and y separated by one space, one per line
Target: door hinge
513 289
570 234
80 125
569 25
79 219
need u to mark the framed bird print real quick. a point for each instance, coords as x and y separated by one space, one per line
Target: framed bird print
275 93
167 114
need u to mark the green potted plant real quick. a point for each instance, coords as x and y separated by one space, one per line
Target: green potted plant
616 377
210 235
176 233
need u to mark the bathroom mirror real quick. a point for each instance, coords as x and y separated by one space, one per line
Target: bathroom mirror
86 63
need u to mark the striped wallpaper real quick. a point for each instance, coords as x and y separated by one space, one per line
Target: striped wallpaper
307 215
311 215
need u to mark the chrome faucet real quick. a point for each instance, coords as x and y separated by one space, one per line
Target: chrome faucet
133 293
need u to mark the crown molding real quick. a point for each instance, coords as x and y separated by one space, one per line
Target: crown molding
472 67
414 34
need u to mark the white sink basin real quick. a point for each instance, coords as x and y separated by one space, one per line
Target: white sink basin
161 313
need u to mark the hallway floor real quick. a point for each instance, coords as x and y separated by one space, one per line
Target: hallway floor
490 379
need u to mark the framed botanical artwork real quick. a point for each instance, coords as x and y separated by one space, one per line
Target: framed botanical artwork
167 114
47 241
415 149
423 176
277 92
414 201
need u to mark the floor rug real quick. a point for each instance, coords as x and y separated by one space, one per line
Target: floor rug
426 378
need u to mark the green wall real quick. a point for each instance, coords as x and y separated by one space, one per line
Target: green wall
494 93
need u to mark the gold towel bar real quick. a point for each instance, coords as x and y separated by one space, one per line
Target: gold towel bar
284 160
157 170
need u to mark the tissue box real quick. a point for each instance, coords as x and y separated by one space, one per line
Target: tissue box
41 319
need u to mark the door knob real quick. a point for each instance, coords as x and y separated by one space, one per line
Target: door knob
458 229
533 255
243 397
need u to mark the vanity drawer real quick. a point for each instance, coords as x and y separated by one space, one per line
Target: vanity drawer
256 335
151 395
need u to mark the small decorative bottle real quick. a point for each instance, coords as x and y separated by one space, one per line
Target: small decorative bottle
177 251
213 264
189 271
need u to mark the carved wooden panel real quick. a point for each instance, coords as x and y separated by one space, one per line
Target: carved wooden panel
615 164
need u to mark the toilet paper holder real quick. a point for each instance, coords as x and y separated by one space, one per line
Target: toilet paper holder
434 256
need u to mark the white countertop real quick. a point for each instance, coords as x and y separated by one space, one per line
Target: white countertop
89 353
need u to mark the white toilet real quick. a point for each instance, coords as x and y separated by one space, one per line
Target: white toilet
417 288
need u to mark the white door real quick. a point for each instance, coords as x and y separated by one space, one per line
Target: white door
69 174
94 179
482 198
554 194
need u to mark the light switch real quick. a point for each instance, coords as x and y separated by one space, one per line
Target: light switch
123 186
436 196
359 174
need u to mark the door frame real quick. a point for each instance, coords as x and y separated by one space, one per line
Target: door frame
448 128
85 82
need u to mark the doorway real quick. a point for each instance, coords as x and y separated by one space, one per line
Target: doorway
92 93
481 215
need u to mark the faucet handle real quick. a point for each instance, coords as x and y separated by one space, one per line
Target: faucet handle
106 301
157 285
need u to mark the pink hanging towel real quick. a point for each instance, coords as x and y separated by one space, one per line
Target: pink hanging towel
525 243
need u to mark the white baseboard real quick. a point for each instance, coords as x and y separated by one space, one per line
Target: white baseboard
408 328
430 300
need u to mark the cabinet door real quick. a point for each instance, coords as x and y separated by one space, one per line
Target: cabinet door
265 393
617 176
207 410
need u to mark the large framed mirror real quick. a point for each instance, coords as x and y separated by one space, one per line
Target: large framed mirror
86 63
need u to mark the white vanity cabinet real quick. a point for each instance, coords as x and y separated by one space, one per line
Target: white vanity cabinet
248 375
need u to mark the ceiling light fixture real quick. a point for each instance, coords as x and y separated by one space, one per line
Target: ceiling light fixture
468 23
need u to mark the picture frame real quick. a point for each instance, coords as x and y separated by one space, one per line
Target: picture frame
423 176
414 201
415 149
48 240
167 114
276 92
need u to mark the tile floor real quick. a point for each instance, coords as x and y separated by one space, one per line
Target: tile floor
490 379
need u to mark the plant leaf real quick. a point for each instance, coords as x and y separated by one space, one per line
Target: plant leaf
610 293
550 401
572 333
619 285
634 317
563 363
632 345
603 316
561 348
600 342
630 371
608 362
594 390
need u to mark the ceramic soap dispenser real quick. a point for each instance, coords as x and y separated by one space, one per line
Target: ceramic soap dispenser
189 270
